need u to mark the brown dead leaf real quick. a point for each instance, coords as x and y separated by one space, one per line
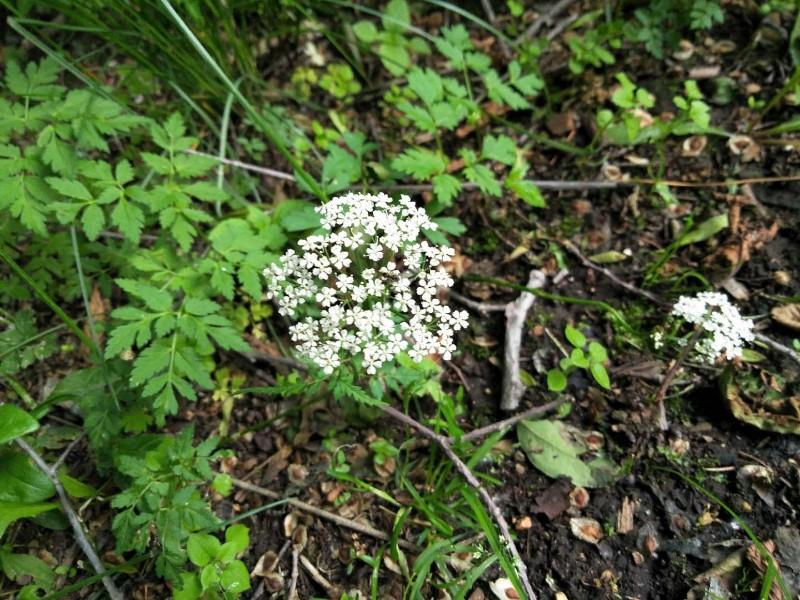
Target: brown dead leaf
562 124
788 315
553 501
625 515
745 147
587 530
760 564
693 146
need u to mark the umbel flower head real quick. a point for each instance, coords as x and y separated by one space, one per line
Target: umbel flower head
366 288
725 329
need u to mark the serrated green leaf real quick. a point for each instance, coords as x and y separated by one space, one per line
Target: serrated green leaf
70 188
527 191
426 84
446 187
159 164
129 219
420 163
484 178
157 299
93 220
500 148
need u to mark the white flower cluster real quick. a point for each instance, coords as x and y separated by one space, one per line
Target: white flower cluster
368 286
727 330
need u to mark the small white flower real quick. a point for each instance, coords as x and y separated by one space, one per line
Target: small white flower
375 252
375 313
725 329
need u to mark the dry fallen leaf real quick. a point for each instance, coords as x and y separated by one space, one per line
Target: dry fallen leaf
694 145
744 146
625 515
587 530
503 589
788 315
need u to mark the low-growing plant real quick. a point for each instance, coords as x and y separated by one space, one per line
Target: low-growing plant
588 355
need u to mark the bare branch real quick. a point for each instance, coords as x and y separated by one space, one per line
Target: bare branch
74 520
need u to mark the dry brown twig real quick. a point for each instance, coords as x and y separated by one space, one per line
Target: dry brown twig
464 470
324 514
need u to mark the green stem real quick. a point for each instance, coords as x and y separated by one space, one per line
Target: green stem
44 297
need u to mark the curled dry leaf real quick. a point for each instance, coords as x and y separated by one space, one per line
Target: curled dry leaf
503 589
694 145
645 118
788 315
587 530
612 173
744 146
297 473
289 524
579 498
684 51
268 563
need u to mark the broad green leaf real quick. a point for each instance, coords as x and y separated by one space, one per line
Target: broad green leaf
19 565
75 487
239 536
366 31
575 337
608 257
558 450
556 380
21 480
301 217
191 590
597 352
704 231
600 375
157 299
202 548
15 422
13 511
394 57
396 16
235 578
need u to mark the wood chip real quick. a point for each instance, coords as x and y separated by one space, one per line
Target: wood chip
625 515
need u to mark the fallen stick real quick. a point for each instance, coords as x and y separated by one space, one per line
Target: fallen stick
74 521
516 313
535 411
324 514
465 471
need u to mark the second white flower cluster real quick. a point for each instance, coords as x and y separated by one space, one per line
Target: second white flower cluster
725 330
368 286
